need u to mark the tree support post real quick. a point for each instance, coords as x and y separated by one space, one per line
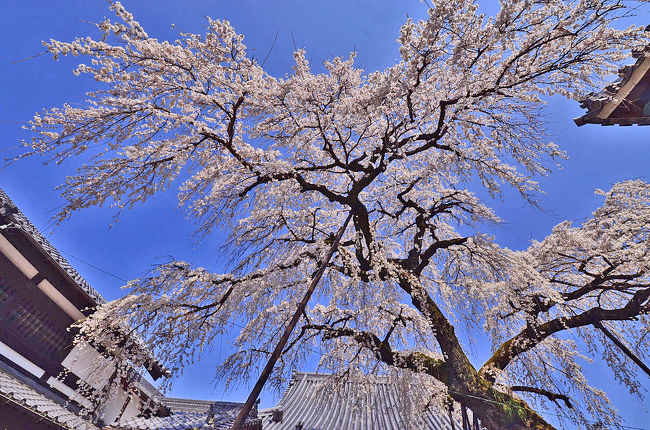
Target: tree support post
599 325
243 414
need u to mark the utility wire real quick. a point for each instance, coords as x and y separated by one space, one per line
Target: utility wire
546 411
93 266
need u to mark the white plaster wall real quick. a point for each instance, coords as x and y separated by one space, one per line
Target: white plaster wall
116 400
85 362
132 410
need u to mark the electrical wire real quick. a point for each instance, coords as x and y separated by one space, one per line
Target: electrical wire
93 266
545 411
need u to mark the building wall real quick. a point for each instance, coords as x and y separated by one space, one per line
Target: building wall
88 364
41 295
14 419
30 323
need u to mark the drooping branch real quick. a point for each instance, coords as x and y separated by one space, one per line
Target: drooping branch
461 103
435 247
601 282
415 361
300 311
442 329
599 325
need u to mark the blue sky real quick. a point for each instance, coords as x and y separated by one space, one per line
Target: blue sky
149 234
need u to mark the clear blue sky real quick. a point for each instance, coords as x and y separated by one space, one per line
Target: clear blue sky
599 156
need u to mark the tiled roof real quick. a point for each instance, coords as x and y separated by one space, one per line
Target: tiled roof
189 414
19 392
303 404
24 223
19 220
596 102
191 405
177 421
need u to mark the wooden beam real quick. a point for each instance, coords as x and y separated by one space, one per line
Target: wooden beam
624 91
622 346
252 398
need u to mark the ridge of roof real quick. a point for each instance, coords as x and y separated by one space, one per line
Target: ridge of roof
23 223
194 414
193 405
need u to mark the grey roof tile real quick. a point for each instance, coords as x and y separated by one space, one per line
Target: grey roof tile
177 420
22 394
29 228
188 414
302 403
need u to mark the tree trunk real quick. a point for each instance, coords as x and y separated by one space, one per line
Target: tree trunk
495 409
498 411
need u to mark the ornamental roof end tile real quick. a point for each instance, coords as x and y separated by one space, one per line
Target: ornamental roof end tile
594 103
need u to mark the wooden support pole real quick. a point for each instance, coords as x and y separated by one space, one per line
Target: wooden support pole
243 414
477 425
451 414
466 425
599 325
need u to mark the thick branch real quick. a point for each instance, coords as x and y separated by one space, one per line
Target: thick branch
416 361
550 395
529 337
431 250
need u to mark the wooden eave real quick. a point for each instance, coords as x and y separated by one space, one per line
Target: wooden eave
76 288
11 213
623 102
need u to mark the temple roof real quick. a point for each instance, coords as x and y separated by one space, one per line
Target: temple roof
626 101
304 404
18 220
10 210
47 406
192 414
178 421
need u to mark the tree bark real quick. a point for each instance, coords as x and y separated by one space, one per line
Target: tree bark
495 409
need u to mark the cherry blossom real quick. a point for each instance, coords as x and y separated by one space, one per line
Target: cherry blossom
279 163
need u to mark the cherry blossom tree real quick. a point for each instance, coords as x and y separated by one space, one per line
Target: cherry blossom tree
280 162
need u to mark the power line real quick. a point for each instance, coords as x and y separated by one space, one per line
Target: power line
93 266
546 411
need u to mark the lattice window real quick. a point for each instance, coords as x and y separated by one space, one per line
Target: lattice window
5 290
35 325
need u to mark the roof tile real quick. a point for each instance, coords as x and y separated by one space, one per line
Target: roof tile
303 403
22 394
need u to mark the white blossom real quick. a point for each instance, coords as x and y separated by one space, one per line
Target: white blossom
279 162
